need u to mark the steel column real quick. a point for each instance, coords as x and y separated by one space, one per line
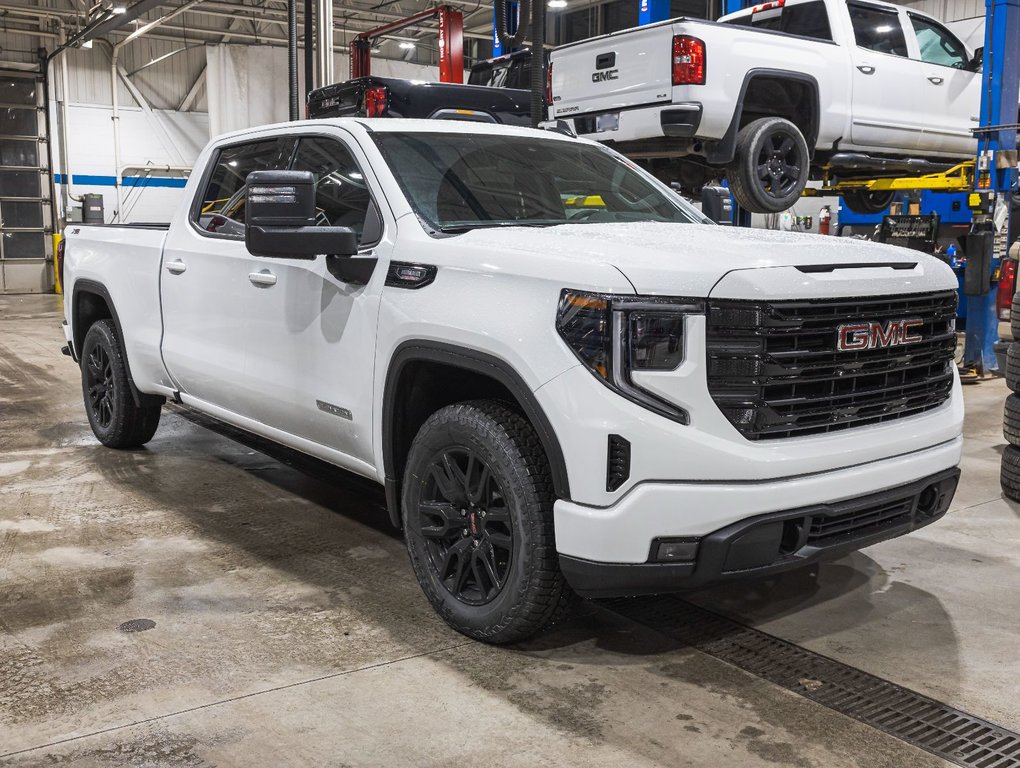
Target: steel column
996 171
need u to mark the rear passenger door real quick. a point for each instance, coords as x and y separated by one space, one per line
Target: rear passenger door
886 97
951 89
205 283
311 360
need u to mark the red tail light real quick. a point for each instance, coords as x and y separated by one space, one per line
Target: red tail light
688 61
548 85
375 102
60 263
1007 287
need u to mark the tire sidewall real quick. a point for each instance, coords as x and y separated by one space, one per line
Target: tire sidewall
475 431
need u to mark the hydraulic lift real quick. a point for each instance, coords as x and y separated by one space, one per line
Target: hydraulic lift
451 43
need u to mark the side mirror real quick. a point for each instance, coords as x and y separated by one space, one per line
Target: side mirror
279 215
978 60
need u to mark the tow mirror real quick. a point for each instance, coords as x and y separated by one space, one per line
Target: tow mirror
279 219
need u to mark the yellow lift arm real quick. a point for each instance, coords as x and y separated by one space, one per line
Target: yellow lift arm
959 178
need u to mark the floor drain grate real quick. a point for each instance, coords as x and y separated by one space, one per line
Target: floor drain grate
944 731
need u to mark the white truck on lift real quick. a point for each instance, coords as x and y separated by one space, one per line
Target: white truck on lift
775 92
561 372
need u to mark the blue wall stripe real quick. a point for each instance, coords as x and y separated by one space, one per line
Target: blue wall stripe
129 181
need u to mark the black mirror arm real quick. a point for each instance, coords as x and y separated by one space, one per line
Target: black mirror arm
352 270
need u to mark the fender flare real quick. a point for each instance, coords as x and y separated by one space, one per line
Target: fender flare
723 152
479 362
78 336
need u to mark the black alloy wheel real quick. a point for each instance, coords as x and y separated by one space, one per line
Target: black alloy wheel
477 508
777 166
771 165
99 386
118 419
466 526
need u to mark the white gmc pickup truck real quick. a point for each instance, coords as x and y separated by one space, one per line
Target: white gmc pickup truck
774 93
564 376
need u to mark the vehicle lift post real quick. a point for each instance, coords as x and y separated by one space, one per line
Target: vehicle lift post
994 177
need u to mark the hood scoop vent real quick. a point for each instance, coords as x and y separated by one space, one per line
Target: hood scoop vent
809 268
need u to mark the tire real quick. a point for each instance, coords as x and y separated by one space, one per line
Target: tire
1009 476
1013 366
865 202
477 511
1011 420
771 165
1014 317
117 422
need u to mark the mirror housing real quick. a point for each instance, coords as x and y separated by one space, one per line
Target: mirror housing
279 215
978 60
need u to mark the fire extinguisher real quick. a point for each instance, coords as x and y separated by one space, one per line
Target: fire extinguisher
824 220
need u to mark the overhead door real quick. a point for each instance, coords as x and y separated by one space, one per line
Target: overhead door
25 247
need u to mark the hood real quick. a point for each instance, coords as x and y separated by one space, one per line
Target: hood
691 259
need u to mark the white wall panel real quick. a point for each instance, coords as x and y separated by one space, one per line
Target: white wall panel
90 146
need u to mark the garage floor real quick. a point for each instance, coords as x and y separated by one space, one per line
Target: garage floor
289 629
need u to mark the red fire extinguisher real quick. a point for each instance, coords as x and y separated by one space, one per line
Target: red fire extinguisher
824 220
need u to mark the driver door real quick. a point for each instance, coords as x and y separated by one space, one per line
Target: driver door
311 354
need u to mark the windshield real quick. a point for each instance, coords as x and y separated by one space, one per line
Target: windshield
457 181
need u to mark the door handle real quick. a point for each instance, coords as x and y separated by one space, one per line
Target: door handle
866 69
262 278
176 267
935 80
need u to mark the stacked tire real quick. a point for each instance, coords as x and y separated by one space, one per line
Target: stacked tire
1010 474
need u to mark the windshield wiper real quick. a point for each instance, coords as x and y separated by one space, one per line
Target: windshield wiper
460 228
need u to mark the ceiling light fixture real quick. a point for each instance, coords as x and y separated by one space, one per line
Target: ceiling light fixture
557 3
407 45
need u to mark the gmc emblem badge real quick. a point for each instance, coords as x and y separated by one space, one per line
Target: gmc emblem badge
601 77
853 337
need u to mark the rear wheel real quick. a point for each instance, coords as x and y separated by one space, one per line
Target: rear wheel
116 421
864 202
771 165
477 508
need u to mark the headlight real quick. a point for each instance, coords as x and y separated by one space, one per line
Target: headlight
614 335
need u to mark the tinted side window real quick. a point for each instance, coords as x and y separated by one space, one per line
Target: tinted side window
807 20
223 200
878 30
342 198
937 45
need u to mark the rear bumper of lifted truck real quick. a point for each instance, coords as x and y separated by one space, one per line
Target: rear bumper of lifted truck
668 537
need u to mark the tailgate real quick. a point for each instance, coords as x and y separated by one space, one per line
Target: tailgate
627 69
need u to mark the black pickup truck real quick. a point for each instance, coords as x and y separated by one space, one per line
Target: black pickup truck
391 97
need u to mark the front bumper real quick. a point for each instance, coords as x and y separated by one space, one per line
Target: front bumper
773 542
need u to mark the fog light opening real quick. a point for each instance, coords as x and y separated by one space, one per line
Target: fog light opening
928 502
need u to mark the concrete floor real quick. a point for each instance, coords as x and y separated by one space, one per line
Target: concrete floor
289 629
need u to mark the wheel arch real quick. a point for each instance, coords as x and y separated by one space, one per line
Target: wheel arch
723 152
406 404
90 302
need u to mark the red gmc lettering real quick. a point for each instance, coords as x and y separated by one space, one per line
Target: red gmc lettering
875 335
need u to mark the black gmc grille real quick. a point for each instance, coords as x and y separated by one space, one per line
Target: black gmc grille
775 372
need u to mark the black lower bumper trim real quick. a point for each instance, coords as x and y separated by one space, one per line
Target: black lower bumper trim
775 542
680 123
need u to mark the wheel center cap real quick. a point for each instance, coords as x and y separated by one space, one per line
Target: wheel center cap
473 523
